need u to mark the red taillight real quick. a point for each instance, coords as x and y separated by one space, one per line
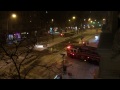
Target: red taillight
68 47
72 54
61 34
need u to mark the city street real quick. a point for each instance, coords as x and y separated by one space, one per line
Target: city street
59 44
49 63
78 69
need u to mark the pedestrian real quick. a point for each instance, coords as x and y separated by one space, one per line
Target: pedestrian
87 42
103 27
52 37
64 69
81 37
96 30
51 49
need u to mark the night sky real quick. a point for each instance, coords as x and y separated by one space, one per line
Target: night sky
60 17
65 15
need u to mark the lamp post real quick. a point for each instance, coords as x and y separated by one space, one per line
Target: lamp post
52 20
52 29
74 25
12 16
69 24
74 19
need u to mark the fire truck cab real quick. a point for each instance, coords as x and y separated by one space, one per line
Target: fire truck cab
82 52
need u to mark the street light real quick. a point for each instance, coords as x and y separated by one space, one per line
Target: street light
52 20
103 19
74 17
12 16
89 19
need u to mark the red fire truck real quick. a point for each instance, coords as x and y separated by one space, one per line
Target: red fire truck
82 52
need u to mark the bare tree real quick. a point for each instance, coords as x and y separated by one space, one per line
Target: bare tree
17 54
19 60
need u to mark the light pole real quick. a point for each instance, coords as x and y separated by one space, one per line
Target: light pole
12 16
74 24
53 29
74 19
69 24
52 20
